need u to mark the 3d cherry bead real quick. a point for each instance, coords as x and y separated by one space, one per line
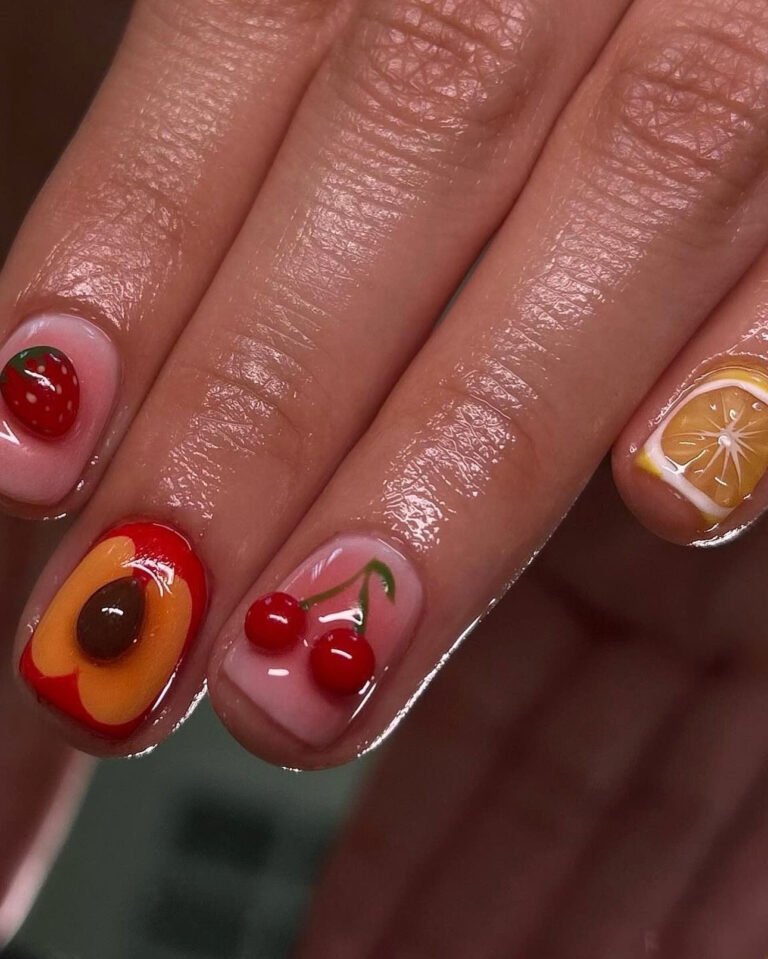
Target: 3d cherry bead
41 390
342 661
275 622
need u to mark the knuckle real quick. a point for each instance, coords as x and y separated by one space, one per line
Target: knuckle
459 438
145 209
689 100
246 400
444 66
123 220
486 427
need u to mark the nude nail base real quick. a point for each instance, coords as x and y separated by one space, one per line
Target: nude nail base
359 600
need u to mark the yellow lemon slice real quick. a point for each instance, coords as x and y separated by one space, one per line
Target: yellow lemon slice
713 445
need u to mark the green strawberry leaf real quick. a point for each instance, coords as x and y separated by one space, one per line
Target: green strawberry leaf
18 361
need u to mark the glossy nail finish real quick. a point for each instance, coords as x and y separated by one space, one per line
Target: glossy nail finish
59 381
362 599
108 647
41 389
712 446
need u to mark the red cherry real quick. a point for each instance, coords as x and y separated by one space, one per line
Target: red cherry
275 621
342 661
41 390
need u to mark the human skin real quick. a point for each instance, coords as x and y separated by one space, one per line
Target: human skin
394 143
632 671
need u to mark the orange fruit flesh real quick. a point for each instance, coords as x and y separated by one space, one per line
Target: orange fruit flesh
114 693
720 441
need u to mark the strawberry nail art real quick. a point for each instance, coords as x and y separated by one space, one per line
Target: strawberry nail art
41 389
59 379
312 653
107 649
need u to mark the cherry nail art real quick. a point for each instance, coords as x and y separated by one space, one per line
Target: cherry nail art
41 390
276 621
312 653
341 660
113 638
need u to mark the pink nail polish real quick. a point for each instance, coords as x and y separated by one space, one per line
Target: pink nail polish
311 654
57 388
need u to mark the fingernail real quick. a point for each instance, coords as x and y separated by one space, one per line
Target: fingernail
312 653
712 446
58 385
107 649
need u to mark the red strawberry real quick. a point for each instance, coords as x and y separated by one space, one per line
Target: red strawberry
41 389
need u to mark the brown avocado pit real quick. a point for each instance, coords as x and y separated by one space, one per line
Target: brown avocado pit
110 621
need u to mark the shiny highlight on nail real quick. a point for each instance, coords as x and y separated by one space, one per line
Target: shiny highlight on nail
41 390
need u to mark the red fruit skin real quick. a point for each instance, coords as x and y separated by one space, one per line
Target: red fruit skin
41 390
342 662
62 693
275 622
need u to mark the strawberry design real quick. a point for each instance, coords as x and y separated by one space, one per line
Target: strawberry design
41 389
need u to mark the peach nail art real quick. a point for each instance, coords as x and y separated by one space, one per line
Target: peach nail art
58 385
311 654
107 649
712 446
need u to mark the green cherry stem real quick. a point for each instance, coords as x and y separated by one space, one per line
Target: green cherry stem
371 568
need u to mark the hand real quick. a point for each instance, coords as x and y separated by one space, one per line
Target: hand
233 265
587 777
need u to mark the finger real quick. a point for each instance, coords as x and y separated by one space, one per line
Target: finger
691 460
276 376
128 232
464 723
510 406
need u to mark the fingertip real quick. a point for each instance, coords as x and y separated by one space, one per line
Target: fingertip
261 736
653 503
692 469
